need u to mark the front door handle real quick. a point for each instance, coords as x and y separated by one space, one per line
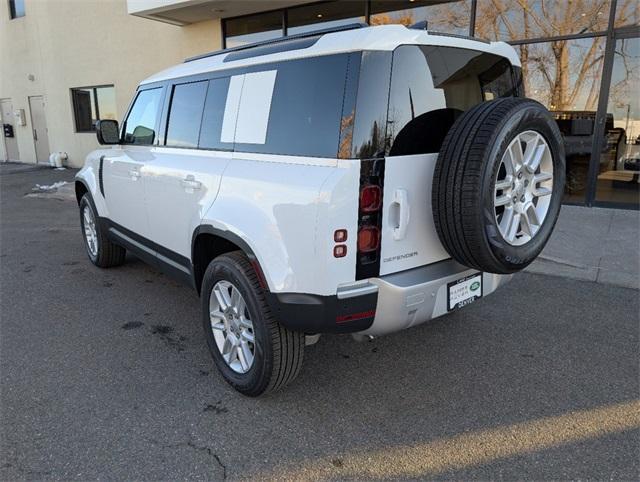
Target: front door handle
135 174
190 184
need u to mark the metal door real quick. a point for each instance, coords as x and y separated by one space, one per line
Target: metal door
39 127
11 143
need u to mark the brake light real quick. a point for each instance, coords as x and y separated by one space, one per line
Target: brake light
370 198
368 239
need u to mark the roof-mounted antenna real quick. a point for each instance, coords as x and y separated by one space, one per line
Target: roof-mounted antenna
423 25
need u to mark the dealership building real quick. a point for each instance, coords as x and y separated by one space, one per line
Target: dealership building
66 63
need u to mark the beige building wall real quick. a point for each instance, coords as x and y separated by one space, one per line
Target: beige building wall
79 43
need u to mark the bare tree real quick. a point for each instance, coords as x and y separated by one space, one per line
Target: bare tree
563 74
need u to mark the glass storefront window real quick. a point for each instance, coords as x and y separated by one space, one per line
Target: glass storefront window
253 28
524 19
443 16
565 76
619 167
331 14
627 13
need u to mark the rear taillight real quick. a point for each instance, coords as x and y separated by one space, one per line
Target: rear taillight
370 198
368 239
369 218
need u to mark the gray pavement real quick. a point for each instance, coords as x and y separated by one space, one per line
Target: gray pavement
104 374
594 244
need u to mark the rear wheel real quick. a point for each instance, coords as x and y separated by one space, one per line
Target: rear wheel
101 251
252 351
498 184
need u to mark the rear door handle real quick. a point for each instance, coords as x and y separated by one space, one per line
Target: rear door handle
401 199
190 184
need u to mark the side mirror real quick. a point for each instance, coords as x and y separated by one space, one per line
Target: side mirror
107 131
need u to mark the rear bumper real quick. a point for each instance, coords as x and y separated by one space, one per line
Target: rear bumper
380 305
412 297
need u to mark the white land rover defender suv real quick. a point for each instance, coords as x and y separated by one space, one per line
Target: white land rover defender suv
354 180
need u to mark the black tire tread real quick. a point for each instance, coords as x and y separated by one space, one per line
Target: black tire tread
457 186
109 253
287 345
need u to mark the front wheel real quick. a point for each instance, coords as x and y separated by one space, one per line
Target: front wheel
101 251
253 352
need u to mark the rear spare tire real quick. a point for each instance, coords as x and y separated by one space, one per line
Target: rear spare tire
498 184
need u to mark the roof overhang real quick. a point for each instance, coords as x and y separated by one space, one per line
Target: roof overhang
185 12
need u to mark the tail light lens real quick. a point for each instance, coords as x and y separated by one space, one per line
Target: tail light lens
369 218
370 198
368 239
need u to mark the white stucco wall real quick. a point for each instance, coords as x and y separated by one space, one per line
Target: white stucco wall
70 43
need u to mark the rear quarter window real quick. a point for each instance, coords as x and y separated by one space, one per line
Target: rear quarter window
305 110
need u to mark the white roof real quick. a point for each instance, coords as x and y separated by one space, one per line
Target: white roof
382 37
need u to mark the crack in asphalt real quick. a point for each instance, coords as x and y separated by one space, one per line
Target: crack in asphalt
191 444
201 448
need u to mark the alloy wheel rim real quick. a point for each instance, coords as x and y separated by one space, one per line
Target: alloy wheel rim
523 188
232 326
90 234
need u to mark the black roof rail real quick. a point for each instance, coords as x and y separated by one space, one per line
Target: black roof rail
312 33
456 35
424 25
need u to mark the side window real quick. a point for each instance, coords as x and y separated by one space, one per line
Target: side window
212 118
185 114
498 81
432 86
303 114
141 122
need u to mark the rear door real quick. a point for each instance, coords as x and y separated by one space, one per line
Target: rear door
430 87
183 177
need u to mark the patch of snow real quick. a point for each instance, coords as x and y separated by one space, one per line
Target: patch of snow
61 190
52 187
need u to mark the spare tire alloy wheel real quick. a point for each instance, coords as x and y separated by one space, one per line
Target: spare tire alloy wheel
523 188
498 184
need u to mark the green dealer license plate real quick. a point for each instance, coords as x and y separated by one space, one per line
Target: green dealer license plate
464 291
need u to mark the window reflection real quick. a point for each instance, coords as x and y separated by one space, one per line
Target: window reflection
619 165
627 13
324 15
444 16
565 76
253 28
523 19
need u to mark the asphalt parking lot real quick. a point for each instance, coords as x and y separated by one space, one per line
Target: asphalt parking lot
105 375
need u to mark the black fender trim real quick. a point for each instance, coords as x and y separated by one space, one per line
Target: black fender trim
82 181
232 238
100 176
228 235
307 313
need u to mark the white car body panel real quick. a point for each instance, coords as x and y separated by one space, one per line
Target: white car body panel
123 175
180 193
409 237
273 207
